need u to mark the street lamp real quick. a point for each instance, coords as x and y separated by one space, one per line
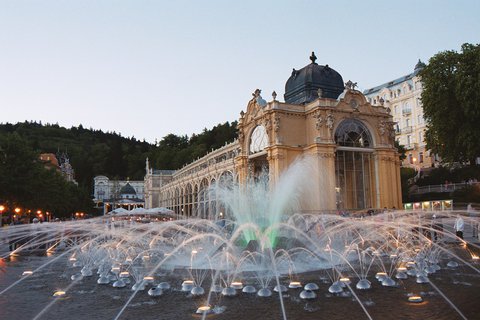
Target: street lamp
2 208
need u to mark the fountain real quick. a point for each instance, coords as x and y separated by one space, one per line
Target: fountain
262 254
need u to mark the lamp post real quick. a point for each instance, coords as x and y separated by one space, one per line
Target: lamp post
2 208
17 213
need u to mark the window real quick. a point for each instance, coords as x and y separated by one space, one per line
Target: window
353 133
395 109
409 140
407 122
410 158
420 137
258 140
420 157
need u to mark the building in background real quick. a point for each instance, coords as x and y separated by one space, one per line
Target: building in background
402 97
61 163
350 141
111 194
154 181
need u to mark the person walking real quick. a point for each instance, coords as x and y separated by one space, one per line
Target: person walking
473 216
459 226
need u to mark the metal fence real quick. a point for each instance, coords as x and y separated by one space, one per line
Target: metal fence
443 188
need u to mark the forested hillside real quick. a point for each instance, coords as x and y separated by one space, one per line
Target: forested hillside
94 152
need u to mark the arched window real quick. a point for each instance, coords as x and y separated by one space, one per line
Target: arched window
258 139
353 133
353 166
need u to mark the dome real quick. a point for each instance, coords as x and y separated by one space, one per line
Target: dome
419 66
302 86
127 189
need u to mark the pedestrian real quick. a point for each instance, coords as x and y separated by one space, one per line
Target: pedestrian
472 214
459 226
437 227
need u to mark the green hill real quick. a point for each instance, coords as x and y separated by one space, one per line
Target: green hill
94 152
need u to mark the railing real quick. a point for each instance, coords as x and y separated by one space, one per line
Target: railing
443 188
406 111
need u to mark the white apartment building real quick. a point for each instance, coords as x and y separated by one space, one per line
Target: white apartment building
403 97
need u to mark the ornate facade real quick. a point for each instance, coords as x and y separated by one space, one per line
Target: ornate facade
111 194
402 97
350 141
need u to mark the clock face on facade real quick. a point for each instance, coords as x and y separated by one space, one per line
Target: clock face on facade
354 103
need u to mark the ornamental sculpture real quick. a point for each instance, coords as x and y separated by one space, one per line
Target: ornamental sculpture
319 119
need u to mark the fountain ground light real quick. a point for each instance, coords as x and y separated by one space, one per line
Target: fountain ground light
263 245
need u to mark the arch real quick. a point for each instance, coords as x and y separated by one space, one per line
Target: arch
203 199
353 133
188 200
354 165
258 140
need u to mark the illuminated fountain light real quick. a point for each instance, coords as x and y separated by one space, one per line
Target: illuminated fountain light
155 292
475 257
124 274
59 293
237 285
380 276
401 269
148 279
410 264
27 273
415 299
345 281
295 284
204 310
187 285
249 289
264 292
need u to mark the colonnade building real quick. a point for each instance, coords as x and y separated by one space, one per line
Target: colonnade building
350 141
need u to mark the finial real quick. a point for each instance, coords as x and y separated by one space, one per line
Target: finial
313 57
274 95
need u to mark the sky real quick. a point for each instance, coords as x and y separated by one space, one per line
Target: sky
146 69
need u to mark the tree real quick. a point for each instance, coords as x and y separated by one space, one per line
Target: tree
451 103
